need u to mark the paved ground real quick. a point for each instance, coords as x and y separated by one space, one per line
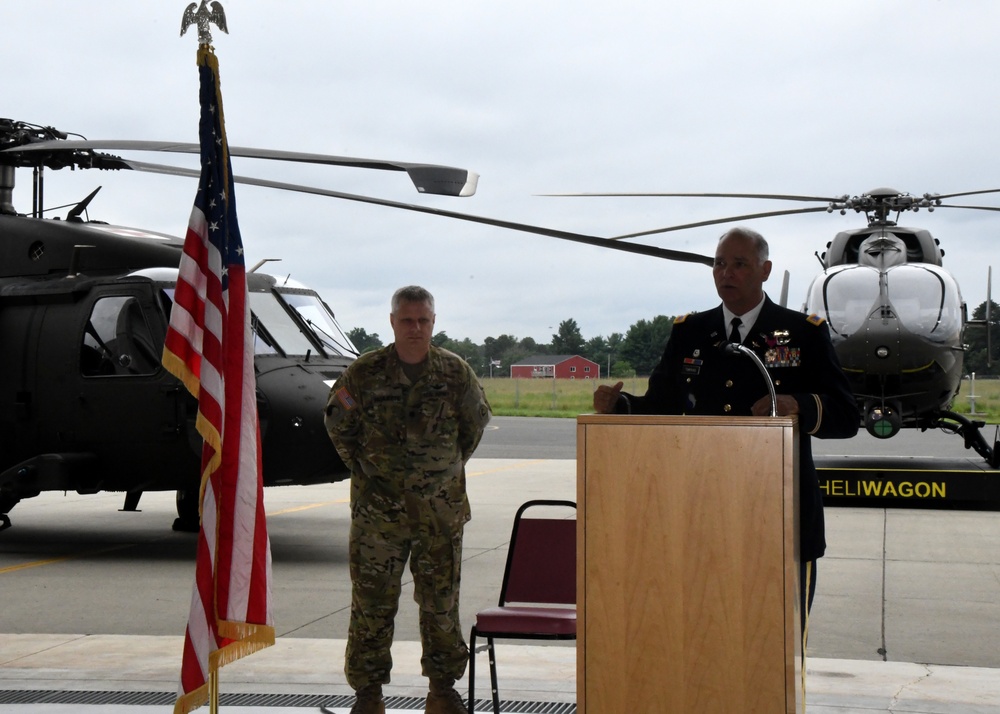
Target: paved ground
907 615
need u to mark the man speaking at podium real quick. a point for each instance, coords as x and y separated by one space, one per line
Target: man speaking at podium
700 373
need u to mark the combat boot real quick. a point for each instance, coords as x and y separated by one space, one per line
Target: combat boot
369 700
443 699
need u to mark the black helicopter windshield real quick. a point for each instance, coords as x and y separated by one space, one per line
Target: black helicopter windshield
275 328
289 321
321 322
924 298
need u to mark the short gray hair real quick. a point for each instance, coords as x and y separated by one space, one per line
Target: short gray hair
756 238
411 293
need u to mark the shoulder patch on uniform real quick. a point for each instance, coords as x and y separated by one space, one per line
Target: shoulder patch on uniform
345 399
815 319
680 318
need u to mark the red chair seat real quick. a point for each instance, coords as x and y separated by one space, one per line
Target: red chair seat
540 576
524 620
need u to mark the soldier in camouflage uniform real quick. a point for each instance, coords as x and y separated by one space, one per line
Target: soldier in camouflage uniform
405 419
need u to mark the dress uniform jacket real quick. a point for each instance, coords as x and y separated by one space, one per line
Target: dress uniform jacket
696 376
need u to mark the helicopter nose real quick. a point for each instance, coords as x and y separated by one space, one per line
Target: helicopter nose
294 442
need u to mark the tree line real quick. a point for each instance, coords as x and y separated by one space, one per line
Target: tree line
639 349
635 352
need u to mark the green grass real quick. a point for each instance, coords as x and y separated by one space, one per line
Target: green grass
987 400
549 397
572 397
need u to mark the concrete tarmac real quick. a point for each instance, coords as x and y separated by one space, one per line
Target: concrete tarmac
906 617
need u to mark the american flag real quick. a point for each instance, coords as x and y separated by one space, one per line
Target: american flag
209 347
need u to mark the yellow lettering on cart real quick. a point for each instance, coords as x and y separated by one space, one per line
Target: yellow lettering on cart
885 489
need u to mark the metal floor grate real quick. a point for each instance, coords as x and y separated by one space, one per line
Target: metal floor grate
316 701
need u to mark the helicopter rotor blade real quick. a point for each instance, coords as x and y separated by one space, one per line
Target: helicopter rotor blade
427 178
716 221
964 193
778 197
972 208
638 248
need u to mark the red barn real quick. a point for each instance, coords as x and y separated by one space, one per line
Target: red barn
558 366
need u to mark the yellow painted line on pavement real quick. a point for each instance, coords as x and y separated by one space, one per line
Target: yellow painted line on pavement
309 506
76 556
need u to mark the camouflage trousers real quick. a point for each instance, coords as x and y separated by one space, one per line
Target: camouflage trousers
378 553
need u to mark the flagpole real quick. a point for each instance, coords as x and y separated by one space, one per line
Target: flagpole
209 348
213 692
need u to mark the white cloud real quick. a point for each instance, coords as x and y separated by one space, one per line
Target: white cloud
780 96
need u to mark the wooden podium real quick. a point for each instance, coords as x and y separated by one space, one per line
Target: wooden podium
687 565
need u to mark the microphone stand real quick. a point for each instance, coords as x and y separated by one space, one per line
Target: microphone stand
734 348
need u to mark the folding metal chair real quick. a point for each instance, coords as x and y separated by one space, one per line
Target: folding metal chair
540 576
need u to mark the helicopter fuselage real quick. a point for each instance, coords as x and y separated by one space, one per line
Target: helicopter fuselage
897 321
85 404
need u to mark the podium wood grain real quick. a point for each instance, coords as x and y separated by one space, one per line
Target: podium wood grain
687 592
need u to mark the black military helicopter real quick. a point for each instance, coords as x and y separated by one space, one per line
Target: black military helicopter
85 404
896 315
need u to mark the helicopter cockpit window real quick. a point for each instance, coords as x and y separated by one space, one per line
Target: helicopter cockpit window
117 340
845 297
924 299
927 301
275 329
321 321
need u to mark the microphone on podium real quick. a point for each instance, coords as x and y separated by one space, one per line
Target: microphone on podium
735 348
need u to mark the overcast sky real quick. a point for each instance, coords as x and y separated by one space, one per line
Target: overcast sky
546 96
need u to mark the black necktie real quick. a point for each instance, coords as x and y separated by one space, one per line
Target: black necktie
734 335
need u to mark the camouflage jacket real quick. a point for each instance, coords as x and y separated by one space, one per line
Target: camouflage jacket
407 444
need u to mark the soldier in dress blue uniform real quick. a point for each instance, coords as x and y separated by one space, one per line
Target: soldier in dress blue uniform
697 376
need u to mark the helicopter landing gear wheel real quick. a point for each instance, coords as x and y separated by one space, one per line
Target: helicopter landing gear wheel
188 520
6 503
